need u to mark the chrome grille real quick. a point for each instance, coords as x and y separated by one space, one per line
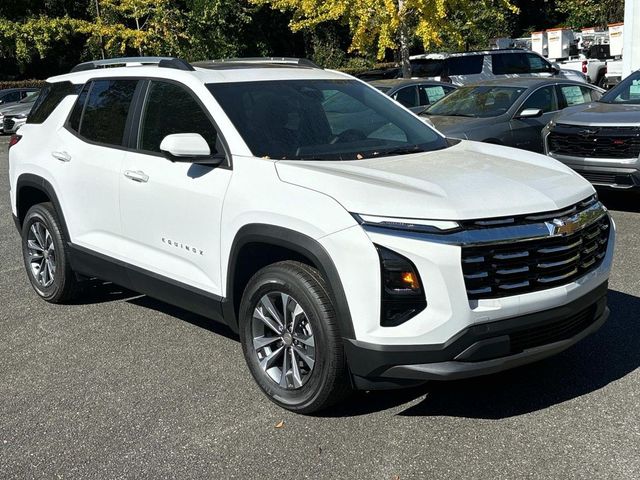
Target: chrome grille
503 269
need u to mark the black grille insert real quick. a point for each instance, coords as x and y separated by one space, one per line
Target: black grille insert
500 270
595 142
552 332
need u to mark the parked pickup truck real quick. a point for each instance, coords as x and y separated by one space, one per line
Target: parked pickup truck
594 68
613 74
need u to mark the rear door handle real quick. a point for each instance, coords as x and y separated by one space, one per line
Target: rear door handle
62 156
136 176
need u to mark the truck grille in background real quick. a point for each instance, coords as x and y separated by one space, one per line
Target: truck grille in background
8 123
595 142
500 270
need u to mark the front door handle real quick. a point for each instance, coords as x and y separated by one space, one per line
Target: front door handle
62 156
137 176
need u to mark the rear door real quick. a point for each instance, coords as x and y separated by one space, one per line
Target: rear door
171 211
571 95
526 133
90 156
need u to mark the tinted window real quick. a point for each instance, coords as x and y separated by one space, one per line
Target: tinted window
480 101
571 95
10 97
49 98
543 99
465 65
78 108
169 109
426 67
105 114
537 64
518 63
406 96
321 119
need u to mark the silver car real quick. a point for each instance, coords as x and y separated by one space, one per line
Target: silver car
15 116
601 140
509 112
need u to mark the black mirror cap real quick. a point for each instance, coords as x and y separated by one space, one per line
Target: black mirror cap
213 160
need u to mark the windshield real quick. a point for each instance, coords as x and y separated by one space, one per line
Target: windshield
321 120
31 97
480 101
627 91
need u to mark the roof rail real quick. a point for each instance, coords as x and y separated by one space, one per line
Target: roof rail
166 62
289 61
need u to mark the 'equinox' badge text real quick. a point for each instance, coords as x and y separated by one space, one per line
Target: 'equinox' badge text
182 246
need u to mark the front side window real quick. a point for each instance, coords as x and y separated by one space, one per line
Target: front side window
106 111
169 109
518 63
480 101
321 120
542 99
627 91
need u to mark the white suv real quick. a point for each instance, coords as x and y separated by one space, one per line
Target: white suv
347 243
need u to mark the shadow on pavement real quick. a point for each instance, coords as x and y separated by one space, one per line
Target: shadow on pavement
620 200
604 357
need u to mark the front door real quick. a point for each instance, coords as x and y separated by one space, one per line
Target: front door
171 211
526 133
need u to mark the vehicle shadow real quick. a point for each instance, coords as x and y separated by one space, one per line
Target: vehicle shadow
622 200
98 291
604 357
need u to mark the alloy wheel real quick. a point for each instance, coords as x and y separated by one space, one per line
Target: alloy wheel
283 340
42 254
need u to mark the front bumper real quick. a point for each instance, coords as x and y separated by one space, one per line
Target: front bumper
480 349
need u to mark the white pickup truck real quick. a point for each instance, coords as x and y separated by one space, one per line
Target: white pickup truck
594 68
613 74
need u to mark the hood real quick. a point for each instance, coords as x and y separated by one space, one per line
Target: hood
599 113
454 124
18 108
470 180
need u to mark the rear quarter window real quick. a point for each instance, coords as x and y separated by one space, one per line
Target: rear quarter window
50 97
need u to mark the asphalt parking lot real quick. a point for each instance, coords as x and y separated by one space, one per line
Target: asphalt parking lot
121 385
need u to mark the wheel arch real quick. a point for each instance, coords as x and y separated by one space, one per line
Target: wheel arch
33 189
274 243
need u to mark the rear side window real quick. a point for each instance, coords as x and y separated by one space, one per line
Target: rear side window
106 111
465 65
50 97
169 109
571 95
431 94
78 109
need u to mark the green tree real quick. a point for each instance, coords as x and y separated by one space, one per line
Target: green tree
391 24
591 13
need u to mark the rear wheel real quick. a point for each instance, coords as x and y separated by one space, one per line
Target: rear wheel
45 255
290 338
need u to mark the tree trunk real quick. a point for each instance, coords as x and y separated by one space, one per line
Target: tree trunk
404 41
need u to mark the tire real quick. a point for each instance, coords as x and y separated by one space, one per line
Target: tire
311 321
53 280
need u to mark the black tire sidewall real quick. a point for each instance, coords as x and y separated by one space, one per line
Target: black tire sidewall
274 279
40 213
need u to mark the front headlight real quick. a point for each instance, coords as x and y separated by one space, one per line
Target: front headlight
408 224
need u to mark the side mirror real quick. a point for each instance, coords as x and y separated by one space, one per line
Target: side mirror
189 148
555 68
530 113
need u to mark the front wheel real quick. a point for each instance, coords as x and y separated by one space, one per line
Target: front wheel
290 338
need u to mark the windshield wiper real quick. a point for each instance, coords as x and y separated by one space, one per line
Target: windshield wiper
406 150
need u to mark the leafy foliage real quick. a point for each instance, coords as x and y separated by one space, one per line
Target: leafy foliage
591 13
